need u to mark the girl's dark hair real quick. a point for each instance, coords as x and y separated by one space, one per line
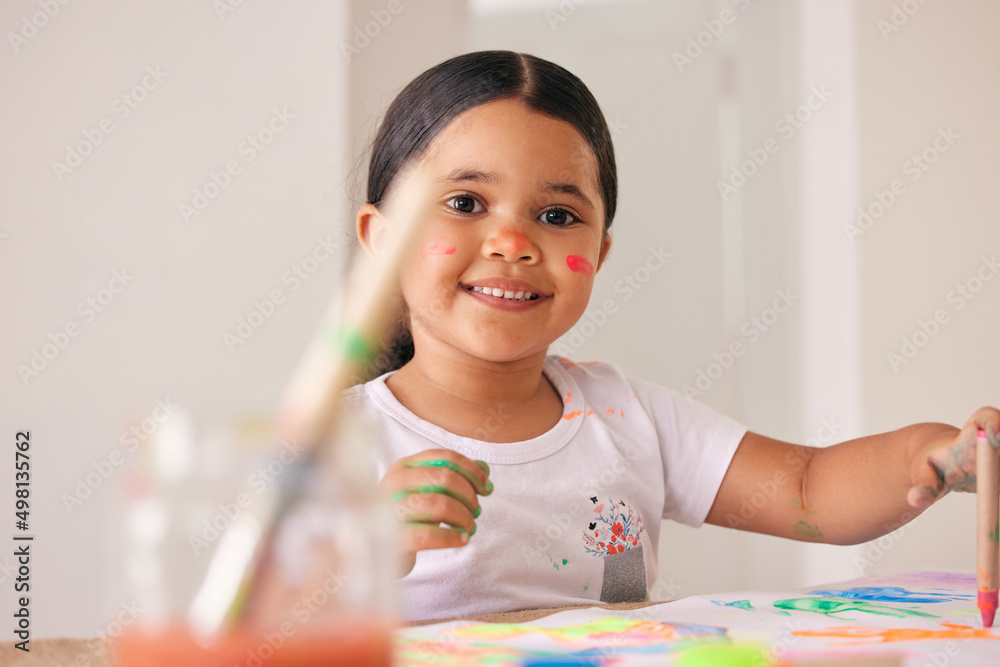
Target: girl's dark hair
436 97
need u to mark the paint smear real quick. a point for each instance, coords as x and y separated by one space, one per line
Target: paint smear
739 604
569 397
828 607
575 413
803 528
579 264
623 632
889 594
512 241
884 635
438 247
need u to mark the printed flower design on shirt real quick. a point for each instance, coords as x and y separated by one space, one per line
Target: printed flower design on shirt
615 529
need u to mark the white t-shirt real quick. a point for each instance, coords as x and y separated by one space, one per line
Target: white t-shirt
575 513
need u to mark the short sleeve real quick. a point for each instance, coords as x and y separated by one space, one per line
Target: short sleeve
697 444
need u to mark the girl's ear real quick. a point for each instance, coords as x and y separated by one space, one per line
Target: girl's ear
605 247
370 225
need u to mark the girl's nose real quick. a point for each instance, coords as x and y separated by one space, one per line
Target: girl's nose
509 244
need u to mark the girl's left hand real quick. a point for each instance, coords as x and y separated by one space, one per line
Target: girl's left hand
949 463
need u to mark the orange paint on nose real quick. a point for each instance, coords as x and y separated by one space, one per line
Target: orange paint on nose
512 241
579 264
438 247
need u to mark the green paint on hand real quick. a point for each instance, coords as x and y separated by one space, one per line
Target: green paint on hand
830 606
586 585
432 488
995 533
454 467
565 562
803 528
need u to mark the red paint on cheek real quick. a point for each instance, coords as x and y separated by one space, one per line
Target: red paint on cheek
438 247
579 264
512 240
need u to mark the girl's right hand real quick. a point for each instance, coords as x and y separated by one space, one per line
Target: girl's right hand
437 486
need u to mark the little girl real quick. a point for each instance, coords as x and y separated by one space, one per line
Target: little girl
525 480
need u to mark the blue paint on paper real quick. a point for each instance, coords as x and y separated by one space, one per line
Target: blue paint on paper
890 594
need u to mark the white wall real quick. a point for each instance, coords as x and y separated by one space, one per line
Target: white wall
939 70
161 337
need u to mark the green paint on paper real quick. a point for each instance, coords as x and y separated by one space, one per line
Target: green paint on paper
803 528
829 606
739 604
782 612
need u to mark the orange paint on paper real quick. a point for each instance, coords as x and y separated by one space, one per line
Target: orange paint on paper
512 241
622 412
590 412
570 415
866 635
611 411
579 264
438 247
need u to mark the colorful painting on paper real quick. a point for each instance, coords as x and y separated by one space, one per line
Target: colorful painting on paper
916 617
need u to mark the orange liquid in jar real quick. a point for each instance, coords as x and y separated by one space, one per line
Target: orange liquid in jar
350 643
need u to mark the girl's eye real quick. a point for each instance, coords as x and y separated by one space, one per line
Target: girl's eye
558 217
466 204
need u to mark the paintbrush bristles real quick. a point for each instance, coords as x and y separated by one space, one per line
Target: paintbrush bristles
360 318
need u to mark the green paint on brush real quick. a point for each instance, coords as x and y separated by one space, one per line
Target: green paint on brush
830 606
803 528
350 343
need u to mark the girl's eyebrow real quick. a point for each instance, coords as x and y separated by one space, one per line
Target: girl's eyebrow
492 178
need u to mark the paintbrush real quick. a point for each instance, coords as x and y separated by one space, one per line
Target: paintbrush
987 529
348 337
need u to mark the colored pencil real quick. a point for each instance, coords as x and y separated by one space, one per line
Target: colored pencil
988 530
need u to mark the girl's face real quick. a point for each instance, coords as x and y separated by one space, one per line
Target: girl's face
505 262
